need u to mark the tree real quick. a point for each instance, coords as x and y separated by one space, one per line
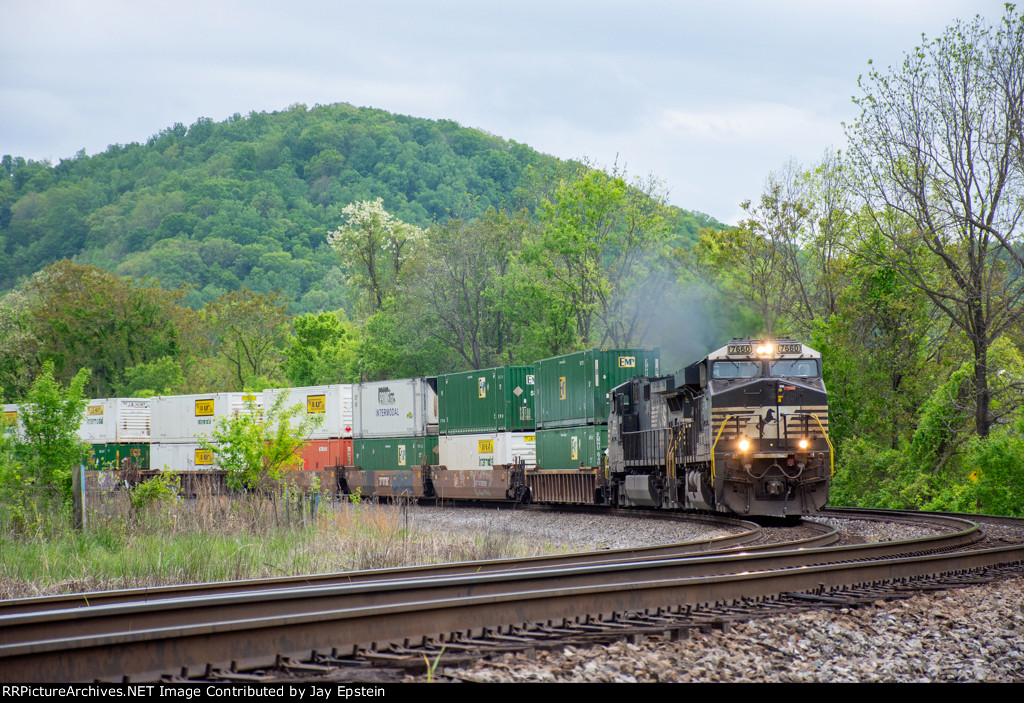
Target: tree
374 248
258 445
600 242
786 256
87 318
939 163
462 284
48 444
322 350
250 330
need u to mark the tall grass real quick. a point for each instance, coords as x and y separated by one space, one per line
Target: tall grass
215 537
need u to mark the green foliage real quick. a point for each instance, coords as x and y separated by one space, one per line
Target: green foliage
943 422
49 444
321 350
38 454
250 331
161 377
165 487
258 445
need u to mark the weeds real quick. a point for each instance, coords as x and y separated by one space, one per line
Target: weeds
160 537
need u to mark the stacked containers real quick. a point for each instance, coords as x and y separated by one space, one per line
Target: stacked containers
572 402
486 417
180 420
330 442
116 429
395 423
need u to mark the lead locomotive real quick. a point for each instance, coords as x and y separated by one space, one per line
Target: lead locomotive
744 430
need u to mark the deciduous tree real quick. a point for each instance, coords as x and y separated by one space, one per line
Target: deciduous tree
938 153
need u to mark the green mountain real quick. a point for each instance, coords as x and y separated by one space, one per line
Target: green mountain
250 201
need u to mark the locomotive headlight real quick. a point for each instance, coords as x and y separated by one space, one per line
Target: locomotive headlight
765 349
802 444
744 445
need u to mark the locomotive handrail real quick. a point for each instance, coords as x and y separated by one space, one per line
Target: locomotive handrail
715 444
831 451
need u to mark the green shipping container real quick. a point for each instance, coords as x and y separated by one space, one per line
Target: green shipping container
103 456
394 453
572 389
569 447
489 400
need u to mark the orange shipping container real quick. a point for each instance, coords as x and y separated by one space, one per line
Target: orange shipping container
322 453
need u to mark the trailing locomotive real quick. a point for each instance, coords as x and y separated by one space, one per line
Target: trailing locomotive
744 430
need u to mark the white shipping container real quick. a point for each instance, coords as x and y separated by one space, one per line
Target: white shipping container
482 451
180 456
333 403
107 420
184 418
403 408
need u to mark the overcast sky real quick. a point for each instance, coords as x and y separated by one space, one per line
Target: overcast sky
708 97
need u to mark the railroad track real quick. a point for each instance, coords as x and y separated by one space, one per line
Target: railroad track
224 631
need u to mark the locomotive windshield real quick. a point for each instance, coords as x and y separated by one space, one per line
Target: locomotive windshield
736 369
798 368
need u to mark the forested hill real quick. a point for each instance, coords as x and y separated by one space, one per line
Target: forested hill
250 201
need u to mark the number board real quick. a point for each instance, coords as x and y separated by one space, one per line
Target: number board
316 403
739 349
790 348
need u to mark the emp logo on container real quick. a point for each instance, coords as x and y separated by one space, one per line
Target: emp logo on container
94 410
481 387
401 455
385 396
627 362
316 404
204 407
561 387
204 457
485 446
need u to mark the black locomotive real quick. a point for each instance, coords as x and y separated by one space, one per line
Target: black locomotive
744 430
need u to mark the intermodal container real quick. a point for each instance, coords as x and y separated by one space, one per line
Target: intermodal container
11 419
319 454
185 418
483 451
571 447
572 389
116 420
180 456
489 400
110 455
402 408
393 453
332 404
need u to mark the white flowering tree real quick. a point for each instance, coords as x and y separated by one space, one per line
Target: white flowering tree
375 248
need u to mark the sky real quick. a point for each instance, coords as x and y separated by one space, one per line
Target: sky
709 98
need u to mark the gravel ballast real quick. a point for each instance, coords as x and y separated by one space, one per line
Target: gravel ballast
973 634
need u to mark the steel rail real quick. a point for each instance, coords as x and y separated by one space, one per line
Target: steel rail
108 635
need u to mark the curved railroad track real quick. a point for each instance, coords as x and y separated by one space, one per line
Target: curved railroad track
223 630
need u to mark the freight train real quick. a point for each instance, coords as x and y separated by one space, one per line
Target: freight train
743 430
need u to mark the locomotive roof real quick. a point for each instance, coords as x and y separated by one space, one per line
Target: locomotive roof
781 348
